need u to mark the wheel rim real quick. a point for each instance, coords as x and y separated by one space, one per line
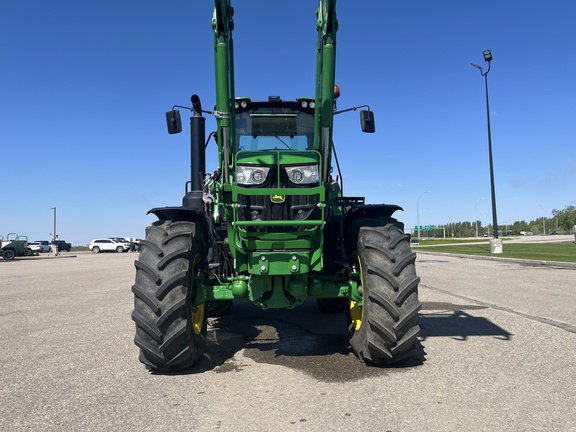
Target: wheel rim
198 319
356 311
355 315
198 311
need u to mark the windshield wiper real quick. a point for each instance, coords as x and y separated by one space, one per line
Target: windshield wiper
280 139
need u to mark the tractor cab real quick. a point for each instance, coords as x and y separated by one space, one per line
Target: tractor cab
274 124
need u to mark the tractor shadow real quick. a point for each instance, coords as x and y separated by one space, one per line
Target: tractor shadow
450 320
303 338
316 342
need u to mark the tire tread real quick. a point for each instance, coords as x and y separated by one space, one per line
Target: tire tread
163 296
389 328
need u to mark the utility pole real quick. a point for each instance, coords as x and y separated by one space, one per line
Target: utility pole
54 233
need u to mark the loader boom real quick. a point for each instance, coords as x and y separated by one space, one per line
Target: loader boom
327 26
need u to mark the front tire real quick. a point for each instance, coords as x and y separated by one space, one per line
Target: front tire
385 328
8 254
119 249
170 330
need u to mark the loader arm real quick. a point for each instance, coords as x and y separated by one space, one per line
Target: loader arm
327 26
223 24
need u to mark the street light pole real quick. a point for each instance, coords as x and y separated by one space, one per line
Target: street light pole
492 188
476 215
418 213
488 57
543 219
54 233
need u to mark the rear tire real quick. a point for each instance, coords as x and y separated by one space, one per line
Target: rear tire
96 249
385 329
170 332
8 254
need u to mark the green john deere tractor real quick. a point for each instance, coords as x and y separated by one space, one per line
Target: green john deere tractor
271 225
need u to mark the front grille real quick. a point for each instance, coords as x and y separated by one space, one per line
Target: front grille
294 207
278 208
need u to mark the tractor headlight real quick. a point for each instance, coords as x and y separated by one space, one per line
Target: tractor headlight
303 174
248 175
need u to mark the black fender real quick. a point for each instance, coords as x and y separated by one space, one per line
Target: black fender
349 227
183 214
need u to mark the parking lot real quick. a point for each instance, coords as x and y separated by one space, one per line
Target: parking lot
496 353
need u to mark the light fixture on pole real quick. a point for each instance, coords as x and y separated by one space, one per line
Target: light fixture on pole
497 245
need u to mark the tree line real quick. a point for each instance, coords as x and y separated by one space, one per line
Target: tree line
561 222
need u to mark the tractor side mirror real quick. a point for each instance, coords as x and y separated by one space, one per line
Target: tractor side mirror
367 121
173 122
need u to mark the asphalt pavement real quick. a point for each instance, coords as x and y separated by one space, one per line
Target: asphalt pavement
496 353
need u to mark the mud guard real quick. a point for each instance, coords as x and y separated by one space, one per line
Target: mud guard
362 211
182 214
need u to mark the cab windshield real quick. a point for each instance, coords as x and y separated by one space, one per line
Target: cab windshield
274 128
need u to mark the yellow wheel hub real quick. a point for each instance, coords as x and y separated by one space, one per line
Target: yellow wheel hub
355 310
355 315
198 318
198 313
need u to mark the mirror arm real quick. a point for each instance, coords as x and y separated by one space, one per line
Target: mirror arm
192 109
351 109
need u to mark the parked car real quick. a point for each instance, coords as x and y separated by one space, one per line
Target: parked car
108 245
62 245
15 245
44 245
133 246
36 247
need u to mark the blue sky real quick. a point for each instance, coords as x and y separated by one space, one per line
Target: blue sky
84 87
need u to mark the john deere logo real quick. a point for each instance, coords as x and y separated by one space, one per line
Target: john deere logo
277 199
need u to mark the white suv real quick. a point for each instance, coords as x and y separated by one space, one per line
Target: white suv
36 247
44 245
108 245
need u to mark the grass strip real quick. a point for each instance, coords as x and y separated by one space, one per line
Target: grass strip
560 252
